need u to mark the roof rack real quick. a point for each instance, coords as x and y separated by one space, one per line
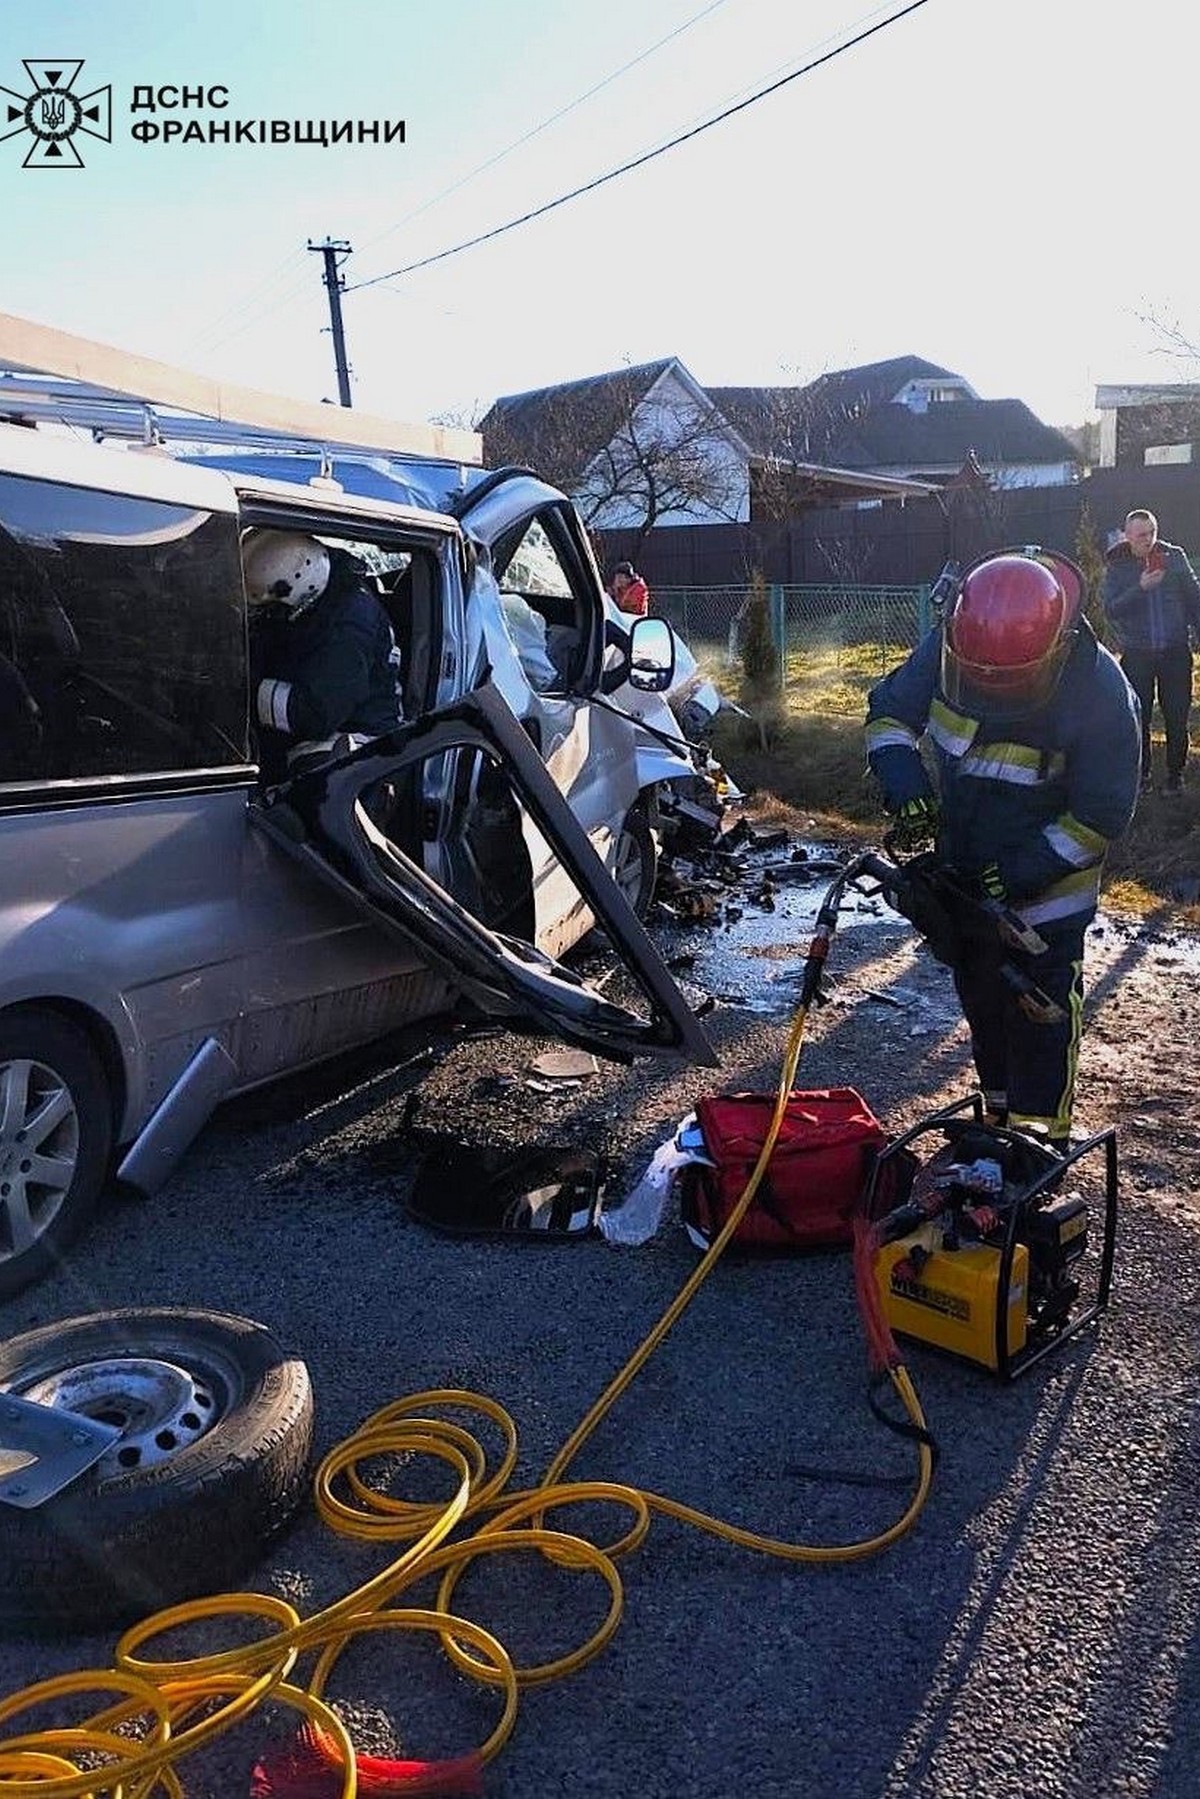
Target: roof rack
53 377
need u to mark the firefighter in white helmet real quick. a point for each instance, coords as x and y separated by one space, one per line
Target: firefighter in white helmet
324 661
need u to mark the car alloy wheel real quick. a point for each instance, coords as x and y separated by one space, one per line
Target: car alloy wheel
39 1151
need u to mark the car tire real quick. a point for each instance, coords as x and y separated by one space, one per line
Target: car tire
52 1083
635 865
211 1463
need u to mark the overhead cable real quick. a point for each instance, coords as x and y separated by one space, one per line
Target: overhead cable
535 130
638 162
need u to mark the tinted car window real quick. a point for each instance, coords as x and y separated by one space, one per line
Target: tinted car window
122 635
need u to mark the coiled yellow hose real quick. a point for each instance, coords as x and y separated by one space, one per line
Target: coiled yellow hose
179 1705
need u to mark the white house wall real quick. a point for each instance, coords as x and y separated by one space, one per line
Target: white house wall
665 404
917 394
1005 474
1033 474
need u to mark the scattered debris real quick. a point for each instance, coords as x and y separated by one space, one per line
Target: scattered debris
465 1190
694 825
492 1086
802 868
743 832
564 1064
689 900
637 1217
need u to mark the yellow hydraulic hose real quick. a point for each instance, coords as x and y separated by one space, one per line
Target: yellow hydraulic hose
167 1708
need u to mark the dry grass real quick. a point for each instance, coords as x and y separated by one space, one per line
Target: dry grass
1159 857
837 678
814 777
815 765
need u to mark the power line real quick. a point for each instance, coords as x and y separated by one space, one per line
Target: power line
638 162
255 306
277 278
766 75
545 124
300 288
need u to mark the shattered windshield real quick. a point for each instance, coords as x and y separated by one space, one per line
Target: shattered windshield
533 566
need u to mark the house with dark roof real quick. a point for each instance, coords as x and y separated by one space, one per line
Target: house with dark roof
629 445
906 418
648 445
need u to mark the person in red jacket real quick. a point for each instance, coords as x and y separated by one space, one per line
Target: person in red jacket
629 591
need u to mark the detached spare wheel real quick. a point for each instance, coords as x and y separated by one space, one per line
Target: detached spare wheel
213 1426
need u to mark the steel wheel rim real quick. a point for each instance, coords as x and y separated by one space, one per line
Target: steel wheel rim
39 1152
160 1407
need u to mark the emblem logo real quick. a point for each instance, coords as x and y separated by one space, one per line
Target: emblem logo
54 112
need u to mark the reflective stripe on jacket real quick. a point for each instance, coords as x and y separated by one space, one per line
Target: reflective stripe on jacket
334 668
1042 795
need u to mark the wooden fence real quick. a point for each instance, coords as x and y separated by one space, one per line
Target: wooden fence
905 543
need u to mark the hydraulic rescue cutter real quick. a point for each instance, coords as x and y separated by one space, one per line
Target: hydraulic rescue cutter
992 1253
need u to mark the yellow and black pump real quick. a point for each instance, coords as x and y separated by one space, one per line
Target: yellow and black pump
984 1257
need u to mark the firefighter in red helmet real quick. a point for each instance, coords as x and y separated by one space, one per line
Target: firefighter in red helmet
1034 751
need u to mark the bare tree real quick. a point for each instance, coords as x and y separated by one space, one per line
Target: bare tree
847 559
1084 440
796 427
978 510
1174 340
1171 415
667 456
628 456
556 451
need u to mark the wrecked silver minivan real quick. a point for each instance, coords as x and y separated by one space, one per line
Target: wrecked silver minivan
171 932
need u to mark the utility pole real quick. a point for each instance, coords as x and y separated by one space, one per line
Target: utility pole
331 250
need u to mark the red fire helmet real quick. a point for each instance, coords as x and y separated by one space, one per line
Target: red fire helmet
1007 640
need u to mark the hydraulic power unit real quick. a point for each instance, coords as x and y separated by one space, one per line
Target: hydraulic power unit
985 1257
951 1298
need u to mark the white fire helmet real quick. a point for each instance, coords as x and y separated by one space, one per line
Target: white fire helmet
284 568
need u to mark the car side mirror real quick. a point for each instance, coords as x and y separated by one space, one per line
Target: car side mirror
651 655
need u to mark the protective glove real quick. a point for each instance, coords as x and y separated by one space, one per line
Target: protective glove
916 823
993 884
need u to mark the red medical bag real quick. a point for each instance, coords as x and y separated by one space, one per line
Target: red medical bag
818 1169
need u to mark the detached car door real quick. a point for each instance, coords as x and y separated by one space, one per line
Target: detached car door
360 824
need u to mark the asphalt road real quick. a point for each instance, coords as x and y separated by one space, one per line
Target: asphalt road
1034 1634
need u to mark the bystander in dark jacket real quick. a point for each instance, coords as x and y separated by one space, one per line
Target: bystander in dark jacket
1152 600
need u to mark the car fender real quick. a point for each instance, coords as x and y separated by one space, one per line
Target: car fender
106 1012
656 763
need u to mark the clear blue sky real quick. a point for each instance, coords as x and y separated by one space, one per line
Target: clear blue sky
1007 187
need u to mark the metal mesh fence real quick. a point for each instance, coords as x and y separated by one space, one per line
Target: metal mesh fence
708 620
833 641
